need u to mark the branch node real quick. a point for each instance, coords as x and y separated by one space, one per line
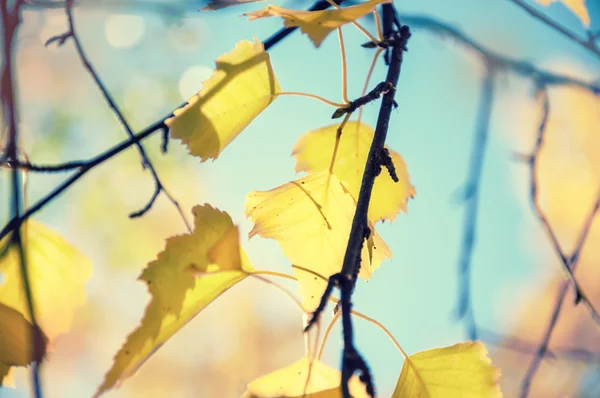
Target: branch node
384 159
379 90
60 39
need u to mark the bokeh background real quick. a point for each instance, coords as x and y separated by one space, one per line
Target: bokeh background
153 55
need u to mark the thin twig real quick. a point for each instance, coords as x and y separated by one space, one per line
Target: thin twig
569 262
471 199
588 43
352 361
16 222
146 163
10 22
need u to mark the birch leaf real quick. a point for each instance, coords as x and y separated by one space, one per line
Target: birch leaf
311 218
462 370
314 150
577 6
316 24
290 381
183 280
240 88
57 273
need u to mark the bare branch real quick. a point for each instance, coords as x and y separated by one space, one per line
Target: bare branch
146 163
589 43
471 199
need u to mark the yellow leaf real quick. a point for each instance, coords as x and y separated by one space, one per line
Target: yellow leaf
290 382
314 150
577 6
311 219
462 370
316 24
178 295
57 273
241 87
6 376
16 334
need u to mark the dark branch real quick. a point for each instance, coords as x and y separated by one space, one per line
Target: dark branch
352 362
10 23
471 198
146 163
379 90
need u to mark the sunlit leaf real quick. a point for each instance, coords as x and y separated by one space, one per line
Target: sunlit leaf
57 273
16 334
6 376
290 381
577 6
462 370
314 150
241 87
218 4
178 293
316 24
311 219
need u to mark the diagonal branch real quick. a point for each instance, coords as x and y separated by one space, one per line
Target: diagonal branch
471 198
11 19
146 163
352 361
589 44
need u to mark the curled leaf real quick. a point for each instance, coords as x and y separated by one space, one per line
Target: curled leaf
241 87
317 24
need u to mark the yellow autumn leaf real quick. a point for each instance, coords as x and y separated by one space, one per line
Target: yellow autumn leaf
16 333
314 150
316 24
57 273
311 218
577 6
6 376
462 370
178 294
240 88
290 381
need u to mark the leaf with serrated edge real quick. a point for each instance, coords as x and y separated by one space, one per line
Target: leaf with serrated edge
290 382
177 294
316 24
462 370
314 150
311 218
577 6
241 87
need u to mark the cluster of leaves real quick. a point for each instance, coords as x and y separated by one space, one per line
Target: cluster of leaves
309 217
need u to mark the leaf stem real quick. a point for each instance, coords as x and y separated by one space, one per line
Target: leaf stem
326 335
355 23
314 96
344 70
